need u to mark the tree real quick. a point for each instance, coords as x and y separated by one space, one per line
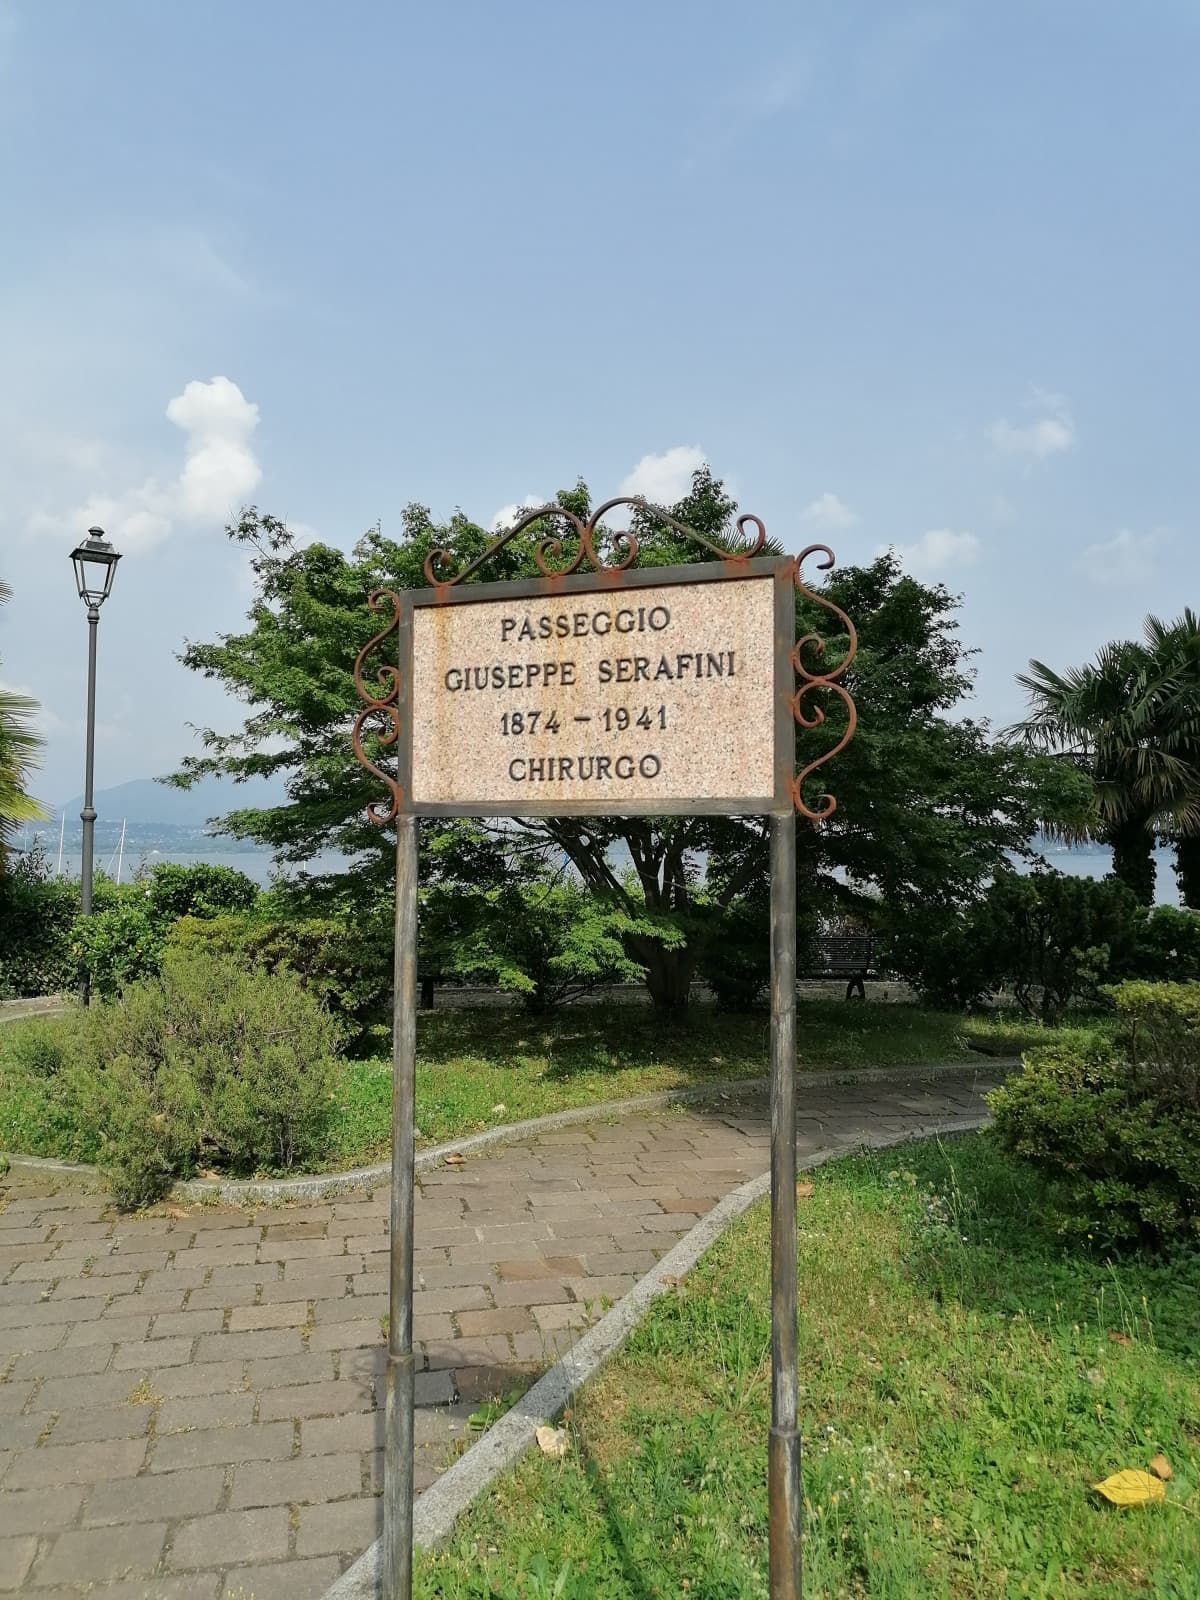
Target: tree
1175 687
928 807
1129 720
20 749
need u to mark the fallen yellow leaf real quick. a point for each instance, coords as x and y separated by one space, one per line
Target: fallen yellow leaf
1131 1488
553 1442
1161 1468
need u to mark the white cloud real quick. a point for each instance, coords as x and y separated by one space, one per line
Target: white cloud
221 469
935 551
665 479
507 515
828 511
219 472
1127 558
1046 435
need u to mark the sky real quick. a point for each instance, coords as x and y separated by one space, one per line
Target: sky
910 275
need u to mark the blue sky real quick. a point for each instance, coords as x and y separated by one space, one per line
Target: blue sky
921 275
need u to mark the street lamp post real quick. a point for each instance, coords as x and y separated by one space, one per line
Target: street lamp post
95 563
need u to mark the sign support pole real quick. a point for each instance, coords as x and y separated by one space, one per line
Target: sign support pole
783 1450
398 1436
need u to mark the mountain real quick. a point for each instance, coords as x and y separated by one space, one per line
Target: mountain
146 801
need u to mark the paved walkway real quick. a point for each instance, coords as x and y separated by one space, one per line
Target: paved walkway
189 1401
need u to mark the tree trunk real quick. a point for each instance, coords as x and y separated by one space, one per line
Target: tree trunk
1187 871
668 973
1133 857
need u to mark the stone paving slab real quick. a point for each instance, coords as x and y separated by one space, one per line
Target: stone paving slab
191 1400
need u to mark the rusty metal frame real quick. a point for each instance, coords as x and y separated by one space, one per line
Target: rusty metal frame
793 704
794 658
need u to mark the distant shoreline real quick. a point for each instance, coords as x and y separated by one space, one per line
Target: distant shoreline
149 843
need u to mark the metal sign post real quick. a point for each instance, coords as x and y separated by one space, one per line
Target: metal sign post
609 692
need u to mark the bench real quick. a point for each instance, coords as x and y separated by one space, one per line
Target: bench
845 955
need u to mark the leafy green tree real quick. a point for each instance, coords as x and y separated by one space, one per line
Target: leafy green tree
1175 691
1130 720
928 807
20 749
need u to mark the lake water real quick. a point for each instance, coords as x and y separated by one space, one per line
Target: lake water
1096 861
1089 862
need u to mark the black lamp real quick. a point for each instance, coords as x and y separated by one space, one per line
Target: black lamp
95 564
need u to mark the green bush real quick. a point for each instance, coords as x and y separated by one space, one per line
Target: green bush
1166 946
1049 939
120 942
210 1064
736 962
40 1114
348 969
37 912
1117 1121
198 890
550 942
936 950
735 958
124 938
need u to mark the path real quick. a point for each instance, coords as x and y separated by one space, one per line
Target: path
189 1401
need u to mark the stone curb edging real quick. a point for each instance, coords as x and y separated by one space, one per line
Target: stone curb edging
440 1506
273 1191
45 1005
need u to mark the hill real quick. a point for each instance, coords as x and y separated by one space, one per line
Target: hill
145 801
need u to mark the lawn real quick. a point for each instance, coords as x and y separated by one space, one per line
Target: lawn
480 1068
964 1382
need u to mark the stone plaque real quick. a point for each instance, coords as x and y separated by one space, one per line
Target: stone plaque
607 699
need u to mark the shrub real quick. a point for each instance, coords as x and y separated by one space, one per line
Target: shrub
1117 1120
549 942
935 950
735 962
211 1063
199 890
347 968
124 938
1050 939
1166 946
120 942
40 1112
735 958
37 911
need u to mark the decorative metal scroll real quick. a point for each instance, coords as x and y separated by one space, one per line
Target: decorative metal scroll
812 682
548 553
554 559
382 706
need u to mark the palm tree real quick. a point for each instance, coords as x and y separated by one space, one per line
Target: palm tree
1175 647
1120 719
20 749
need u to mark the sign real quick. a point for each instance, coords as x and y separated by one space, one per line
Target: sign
575 696
616 693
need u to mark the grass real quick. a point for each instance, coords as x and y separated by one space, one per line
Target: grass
480 1068
476 1069
963 1384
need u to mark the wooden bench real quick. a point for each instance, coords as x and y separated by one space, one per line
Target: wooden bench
845 955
